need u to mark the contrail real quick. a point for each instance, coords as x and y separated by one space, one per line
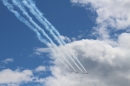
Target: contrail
10 8
32 10
47 24
21 7
39 28
53 28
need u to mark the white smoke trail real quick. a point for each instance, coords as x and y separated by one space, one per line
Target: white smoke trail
21 7
47 27
55 30
39 28
34 10
11 8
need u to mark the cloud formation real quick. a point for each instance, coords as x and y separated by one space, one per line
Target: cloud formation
6 61
106 64
14 78
40 69
111 15
106 59
65 38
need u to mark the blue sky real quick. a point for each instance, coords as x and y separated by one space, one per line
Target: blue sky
97 34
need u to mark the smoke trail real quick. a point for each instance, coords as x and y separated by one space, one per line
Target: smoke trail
32 10
10 8
39 28
21 7
63 42
49 27
53 28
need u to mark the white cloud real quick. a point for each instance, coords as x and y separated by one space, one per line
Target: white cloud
6 61
42 50
73 38
40 68
107 64
124 40
14 78
65 38
110 13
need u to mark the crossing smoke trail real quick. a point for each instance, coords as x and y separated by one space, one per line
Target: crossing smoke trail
21 7
10 8
49 27
32 10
